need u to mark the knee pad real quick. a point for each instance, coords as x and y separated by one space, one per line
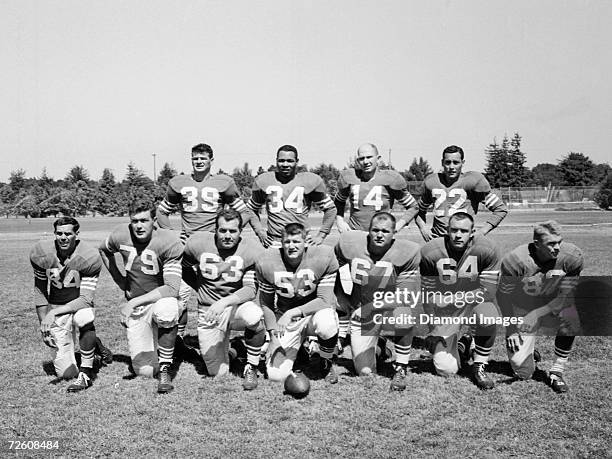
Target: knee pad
83 317
165 312
325 323
249 313
278 374
445 364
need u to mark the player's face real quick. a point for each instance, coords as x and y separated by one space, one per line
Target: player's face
452 165
286 163
367 159
228 233
201 162
381 234
548 247
294 246
459 233
142 225
66 238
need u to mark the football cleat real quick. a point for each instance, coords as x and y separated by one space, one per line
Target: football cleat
106 355
480 377
464 347
557 383
343 343
165 380
327 371
82 382
250 377
399 379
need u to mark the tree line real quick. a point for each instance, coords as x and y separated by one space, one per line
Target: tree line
78 194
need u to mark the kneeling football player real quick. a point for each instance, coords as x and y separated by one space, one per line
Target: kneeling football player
152 263
296 292
537 283
459 274
225 283
378 263
66 272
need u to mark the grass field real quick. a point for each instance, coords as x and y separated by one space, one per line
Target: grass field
357 417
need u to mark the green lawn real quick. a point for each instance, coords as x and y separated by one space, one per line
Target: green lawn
357 417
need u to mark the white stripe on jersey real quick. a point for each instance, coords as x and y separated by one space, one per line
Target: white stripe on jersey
328 280
89 283
340 197
265 287
505 287
491 200
325 203
167 207
238 205
249 278
423 206
254 205
407 200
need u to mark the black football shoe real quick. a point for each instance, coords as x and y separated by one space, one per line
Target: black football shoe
82 382
480 377
165 379
106 355
250 377
557 383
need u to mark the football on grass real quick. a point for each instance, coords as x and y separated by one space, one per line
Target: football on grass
297 385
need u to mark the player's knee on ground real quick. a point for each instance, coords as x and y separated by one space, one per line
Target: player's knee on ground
445 363
325 323
280 373
145 364
165 312
522 365
250 314
65 364
83 317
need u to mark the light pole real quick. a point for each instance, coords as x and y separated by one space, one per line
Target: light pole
154 168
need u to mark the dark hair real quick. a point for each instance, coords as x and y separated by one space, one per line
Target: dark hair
142 205
294 228
227 215
548 227
460 216
66 221
453 149
288 148
382 215
202 148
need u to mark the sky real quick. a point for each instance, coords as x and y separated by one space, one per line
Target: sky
100 84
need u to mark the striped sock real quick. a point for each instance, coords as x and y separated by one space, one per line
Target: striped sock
327 347
343 323
483 347
563 348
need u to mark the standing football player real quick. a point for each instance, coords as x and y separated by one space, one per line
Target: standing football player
152 264
288 196
378 263
66 272
459 275
296 293
198 197
225 284
537 283
452 191
368 190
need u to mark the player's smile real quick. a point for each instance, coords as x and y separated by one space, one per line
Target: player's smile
142 226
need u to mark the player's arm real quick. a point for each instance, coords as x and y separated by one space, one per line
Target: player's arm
107 250
321 199
41 301
431 286
408 279
168 206
398 191
255 204
325 291
423 204
265 299
343 193
495 205
188 264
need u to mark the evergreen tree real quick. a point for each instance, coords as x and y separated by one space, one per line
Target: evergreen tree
577 170
506 163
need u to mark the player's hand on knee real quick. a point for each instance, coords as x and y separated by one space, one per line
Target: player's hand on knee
49 339
514 342
213 315
343 226
431 342
530 323
125 311
426 233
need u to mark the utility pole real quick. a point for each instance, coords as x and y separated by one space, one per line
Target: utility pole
389 157
154 168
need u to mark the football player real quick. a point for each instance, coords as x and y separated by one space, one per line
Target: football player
288 196
296 292
66 272
459 274
225 283
152 264
378 263
452 191
368 190
198 197
537 283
